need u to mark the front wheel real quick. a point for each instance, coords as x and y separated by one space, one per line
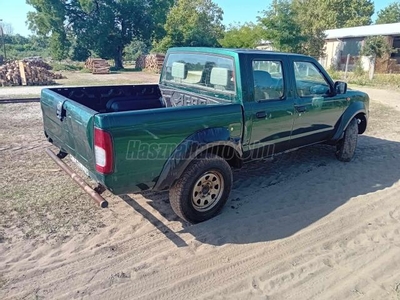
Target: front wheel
203 189
347 146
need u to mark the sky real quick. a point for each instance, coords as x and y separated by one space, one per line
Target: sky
14 12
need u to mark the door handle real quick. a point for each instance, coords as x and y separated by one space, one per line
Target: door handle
261 115
301 109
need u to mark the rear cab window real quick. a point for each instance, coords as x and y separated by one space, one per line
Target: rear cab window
209 74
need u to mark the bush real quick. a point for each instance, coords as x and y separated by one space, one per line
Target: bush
135 49
380 80
79 53
336 75
358 68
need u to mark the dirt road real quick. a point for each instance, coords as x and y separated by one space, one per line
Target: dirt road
303 226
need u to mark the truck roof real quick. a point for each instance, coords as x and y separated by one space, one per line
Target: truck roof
231 50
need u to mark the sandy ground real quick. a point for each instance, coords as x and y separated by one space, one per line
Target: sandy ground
303 226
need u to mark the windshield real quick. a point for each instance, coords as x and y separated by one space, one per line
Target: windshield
211 73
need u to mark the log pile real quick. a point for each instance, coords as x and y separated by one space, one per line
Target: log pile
151 62
27 72
37 62
97 66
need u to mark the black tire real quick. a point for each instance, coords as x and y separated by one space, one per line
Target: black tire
347 146
203 189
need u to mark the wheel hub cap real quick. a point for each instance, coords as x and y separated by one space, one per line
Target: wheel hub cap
207 191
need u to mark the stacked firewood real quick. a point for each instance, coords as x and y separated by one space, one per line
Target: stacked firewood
37 62
151 62
9 74
97 65
27 72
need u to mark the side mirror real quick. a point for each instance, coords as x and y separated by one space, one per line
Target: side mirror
340 87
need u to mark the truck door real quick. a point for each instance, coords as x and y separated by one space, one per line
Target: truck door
270 110
317 108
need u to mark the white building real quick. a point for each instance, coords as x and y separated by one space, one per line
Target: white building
344 41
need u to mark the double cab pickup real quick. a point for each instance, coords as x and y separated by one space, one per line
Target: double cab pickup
213 110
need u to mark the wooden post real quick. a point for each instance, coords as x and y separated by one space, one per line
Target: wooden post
347 66
22 72
371 71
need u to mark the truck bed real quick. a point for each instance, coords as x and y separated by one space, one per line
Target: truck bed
105 99
135 117
115 98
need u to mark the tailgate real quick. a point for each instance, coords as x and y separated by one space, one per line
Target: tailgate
69 125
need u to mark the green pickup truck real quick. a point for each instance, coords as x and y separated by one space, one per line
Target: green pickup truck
213 110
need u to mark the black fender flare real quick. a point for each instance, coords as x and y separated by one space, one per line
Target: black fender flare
191 148
353 110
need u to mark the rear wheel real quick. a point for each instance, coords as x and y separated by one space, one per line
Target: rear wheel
203 189
347 146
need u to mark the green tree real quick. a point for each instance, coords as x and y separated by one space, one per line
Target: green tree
299 25
49 20
79 52
59 45
135 49
281 28
375 47
19 47
193 23
104 27
312 28
160 13
39 44
247 35
333 14
390 14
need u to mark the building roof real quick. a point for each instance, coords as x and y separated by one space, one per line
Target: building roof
362 31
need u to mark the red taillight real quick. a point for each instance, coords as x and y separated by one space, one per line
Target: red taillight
103 151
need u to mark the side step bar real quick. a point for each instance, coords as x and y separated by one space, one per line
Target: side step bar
92 193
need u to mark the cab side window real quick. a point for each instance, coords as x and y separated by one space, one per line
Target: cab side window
309 80
268 80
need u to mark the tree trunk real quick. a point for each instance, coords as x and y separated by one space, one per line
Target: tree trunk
118 58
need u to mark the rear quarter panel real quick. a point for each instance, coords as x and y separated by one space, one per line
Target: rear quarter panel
144 140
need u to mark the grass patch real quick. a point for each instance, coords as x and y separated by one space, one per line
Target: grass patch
84 70
67 66
379 80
